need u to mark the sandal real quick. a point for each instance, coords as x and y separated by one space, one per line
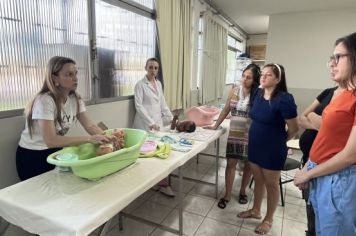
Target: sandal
222 203
243 199
264 227
249 214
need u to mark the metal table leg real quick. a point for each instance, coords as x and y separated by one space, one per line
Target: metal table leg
120 222
3 226
180 200
180 211
217 168
105 228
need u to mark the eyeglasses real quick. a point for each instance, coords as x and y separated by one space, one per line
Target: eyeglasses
153 67
336 57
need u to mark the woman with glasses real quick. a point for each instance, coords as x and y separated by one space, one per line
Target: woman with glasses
151 108
310 120
152 111
331 169
272 110
50 115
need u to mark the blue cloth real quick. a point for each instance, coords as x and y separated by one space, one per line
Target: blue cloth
333 199
186 142
168 139
267 146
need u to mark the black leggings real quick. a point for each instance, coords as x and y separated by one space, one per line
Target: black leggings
309 208
30 163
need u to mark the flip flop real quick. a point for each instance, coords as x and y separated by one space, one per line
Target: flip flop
264 227
249 214
243 199
222 203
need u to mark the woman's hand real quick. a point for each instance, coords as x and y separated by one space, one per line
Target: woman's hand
303 121
292 128
301 178
315 120
100 139
210 127
303 186
154 127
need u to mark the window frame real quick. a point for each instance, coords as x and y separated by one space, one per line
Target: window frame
233 49
128 5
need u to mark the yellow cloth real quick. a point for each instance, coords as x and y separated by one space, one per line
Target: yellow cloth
162 151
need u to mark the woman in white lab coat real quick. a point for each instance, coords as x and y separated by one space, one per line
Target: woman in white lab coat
152 112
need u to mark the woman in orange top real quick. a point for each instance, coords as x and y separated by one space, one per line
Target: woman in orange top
331 169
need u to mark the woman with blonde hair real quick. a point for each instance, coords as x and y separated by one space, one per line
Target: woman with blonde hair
50 114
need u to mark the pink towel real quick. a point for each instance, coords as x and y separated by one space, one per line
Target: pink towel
148 146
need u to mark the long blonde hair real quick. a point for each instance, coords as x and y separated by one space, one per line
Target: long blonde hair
53 67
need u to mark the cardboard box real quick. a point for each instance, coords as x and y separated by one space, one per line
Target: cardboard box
258 52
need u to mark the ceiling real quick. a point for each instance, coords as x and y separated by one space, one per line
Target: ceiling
253 15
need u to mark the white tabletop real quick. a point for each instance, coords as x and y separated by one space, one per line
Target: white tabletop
60 203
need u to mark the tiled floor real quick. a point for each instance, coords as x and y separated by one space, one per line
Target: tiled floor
202 216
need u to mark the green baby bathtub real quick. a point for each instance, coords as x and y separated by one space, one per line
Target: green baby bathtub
84 162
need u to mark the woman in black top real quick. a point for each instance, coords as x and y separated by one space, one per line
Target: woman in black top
310 120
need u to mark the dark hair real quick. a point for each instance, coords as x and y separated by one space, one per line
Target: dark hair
278 70
256 74
349 42
151 59
191 127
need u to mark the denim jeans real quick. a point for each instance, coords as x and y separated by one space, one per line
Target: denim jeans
333 198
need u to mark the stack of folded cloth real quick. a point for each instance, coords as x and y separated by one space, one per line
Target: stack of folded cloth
151 149
148 146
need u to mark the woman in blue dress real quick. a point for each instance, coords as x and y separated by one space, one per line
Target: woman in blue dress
274 121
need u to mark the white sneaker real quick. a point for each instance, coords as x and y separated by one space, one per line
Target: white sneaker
167 191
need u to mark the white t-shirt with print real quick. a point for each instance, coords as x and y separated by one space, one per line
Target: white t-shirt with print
44 108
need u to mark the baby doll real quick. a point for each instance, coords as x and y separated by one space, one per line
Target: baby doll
104 149
182 126
117 143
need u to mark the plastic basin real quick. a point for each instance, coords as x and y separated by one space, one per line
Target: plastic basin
202 115
88 165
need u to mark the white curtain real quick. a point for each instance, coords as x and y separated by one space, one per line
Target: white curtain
174 19
214 59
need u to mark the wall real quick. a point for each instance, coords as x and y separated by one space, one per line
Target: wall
256 39
303 42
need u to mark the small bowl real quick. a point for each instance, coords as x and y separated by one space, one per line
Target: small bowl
66 157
